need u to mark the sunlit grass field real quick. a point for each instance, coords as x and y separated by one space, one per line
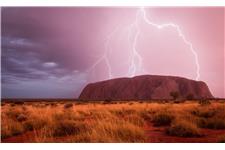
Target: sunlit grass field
107 121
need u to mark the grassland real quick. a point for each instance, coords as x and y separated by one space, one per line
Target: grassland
132 121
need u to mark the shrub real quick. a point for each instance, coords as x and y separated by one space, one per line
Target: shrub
147 115
190 97
35 123
18 103
162 118
13 113
205 113
21 118
107 102
68 105
11 129
212 123
17 129
12 105
176 102
28 126
222 139
68 127
53 104
183 129
204 102
174 94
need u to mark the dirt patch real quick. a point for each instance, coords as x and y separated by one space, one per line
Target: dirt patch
158 135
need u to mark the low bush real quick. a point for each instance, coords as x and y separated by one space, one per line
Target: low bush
204 102
35 123
183 129
222 139
204 112
68 105
190 97
212 123
107 102
11 129
53 104
17 129
12 105
177 101
18 103
13 113
162 118
21 118
28 126
68 127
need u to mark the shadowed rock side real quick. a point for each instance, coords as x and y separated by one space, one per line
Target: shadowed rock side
145 87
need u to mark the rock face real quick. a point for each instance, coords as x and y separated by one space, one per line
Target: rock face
145 87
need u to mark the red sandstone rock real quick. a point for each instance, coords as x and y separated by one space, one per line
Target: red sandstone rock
145 87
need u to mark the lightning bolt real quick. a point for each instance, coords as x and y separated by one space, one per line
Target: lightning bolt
104 57
180 33
136 61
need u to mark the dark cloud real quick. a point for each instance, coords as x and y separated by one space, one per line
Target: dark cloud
52 33
44 44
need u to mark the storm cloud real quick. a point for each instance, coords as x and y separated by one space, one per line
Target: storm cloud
46 52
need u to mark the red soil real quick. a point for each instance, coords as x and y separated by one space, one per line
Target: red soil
27 137
158 135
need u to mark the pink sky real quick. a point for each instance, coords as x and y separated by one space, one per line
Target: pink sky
69 41
163 51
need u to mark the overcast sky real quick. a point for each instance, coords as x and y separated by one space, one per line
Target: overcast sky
55 52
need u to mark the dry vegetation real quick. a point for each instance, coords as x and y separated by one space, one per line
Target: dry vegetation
108 121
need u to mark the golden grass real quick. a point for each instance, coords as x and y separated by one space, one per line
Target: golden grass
106 122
